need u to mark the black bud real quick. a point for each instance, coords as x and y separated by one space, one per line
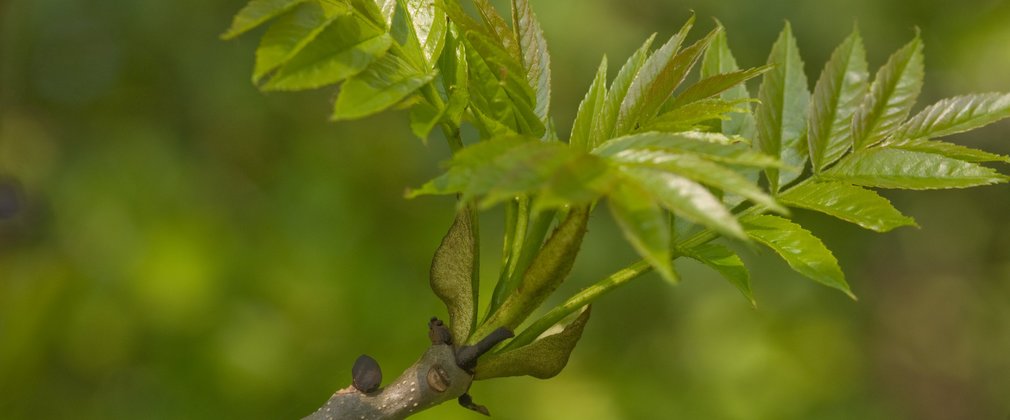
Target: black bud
466 401
439 333
366 374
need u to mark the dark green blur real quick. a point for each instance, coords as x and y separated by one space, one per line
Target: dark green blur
175 244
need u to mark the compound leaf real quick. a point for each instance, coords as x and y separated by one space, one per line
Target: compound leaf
727 263
644 224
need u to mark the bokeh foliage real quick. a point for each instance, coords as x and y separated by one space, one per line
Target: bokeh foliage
174 244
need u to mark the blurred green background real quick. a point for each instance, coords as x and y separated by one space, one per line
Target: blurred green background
175 244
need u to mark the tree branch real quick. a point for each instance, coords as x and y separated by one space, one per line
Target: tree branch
443 373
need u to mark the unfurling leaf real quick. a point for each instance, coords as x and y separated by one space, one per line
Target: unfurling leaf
782 114
716 85
549 269
541 359
891 98
837 96
954 115
454 272
905 169
689 116
847 202
801 249
644 224
727 263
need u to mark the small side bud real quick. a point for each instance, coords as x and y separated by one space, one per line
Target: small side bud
438 333
366 374
466 401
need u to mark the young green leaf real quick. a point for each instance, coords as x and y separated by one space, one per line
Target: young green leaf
345 48
954 151
292 32
849 203
535 56
687 199
718 60
891 98
711 146
588 117
618 91
430 27
905 169
382 85
687 117
700 170
545 358
256 13
801 249
782 115
716 85
837 96
727 263
454 272
496 25
660 75
954 115
644 224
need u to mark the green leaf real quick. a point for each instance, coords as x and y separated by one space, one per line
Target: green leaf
687 199
644 224
891 98
499 72
711 146
659 77
716 85
292 32
257 12
430 27
496 25
837 96
535 56
454 70
384 84
454 272
955 115
687 117
950 150
549 269
727 263
542 359
619 90
703 171
849 203
799 248
718 59
782 115
905 169
345 48
588 117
